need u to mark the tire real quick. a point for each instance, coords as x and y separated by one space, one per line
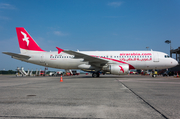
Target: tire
94 75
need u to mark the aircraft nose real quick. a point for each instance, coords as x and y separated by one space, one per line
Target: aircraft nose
175 62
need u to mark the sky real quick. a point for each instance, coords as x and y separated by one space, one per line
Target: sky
88 25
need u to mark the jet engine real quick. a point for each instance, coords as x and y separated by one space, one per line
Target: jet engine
117 69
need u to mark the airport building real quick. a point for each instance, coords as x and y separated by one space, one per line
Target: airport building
177 52
177 57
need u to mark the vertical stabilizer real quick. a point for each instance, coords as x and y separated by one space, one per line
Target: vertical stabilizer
26 42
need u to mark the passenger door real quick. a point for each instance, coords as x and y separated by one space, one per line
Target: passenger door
155 57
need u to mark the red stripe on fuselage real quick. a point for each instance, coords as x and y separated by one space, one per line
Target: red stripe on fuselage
130 66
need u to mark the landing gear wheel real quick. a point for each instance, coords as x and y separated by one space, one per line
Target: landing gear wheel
95 75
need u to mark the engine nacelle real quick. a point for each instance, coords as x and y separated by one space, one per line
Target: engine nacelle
117 69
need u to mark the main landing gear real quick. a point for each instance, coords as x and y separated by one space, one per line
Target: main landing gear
96 74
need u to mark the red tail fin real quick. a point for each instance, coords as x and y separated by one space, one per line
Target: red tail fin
26 42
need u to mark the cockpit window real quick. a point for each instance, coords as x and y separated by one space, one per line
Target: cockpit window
166 56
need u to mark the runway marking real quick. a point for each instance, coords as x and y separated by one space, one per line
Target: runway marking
124 87
143 100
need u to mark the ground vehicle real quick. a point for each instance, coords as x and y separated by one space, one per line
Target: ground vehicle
132 71
75 73
42 73
51 73
57 73
168 73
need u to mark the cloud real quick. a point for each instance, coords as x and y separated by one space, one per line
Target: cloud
4 18
6 6
3 8
115 4
59 33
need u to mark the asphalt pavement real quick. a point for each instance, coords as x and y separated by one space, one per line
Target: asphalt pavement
109 96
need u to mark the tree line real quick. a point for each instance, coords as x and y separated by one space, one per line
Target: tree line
8 72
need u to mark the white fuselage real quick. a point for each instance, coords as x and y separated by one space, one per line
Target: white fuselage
135 59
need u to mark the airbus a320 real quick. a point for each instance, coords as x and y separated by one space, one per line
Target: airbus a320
113 62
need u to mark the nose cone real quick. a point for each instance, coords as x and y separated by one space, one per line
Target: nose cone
175 62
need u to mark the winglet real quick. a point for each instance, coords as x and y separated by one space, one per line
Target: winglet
59 50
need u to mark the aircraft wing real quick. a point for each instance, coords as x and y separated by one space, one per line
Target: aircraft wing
97 62
17 56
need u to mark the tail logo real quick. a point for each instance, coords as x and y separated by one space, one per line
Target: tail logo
25 38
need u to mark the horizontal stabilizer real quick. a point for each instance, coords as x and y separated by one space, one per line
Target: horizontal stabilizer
19 56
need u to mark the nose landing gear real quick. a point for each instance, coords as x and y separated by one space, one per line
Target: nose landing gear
154 74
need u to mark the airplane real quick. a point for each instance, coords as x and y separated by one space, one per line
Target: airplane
113 62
